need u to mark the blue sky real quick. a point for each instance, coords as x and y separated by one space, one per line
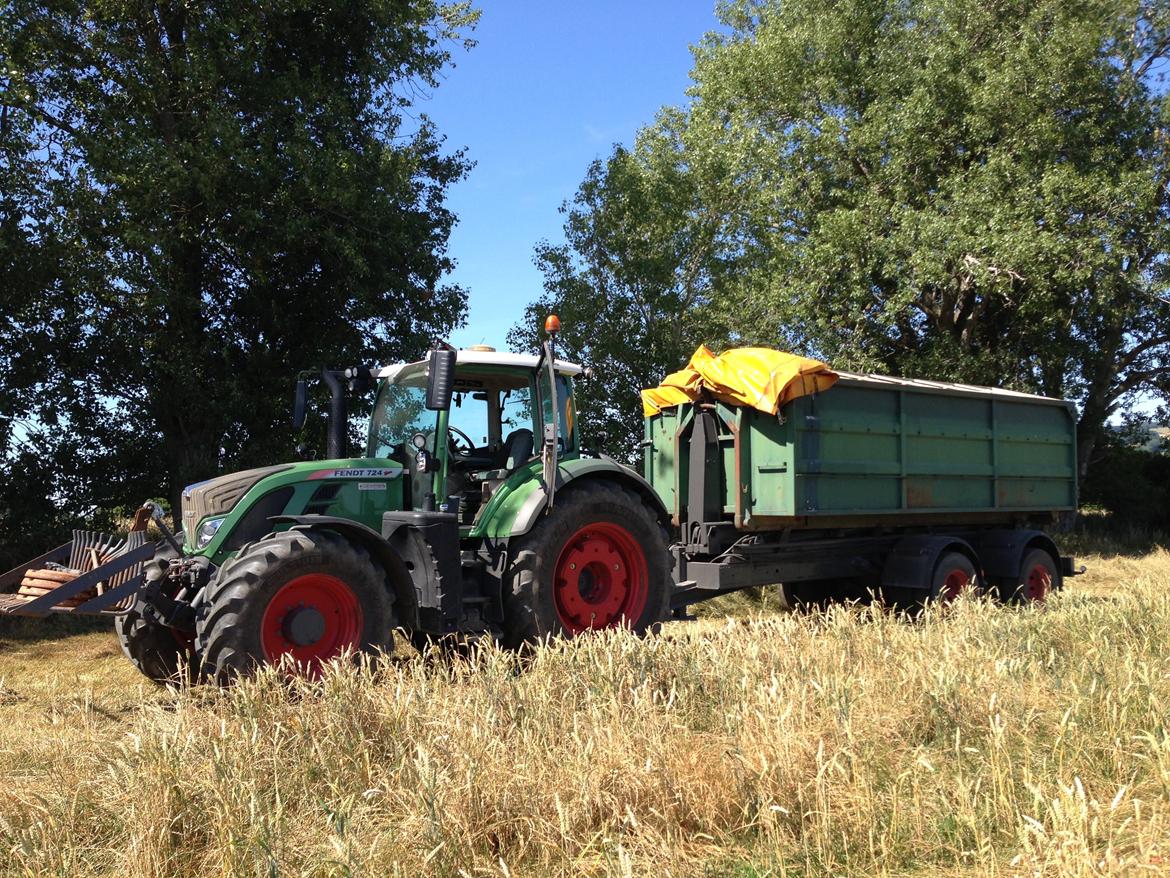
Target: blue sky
551 86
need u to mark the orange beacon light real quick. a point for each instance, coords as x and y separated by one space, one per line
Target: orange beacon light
552 324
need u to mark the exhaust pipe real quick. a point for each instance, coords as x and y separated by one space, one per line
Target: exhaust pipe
355 378
335 444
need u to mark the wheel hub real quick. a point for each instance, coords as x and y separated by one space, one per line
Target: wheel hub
303 626
311 618
600 578
954 584
1038 583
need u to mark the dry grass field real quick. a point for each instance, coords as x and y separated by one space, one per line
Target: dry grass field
982 741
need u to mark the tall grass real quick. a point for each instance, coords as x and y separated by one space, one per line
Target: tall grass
981 741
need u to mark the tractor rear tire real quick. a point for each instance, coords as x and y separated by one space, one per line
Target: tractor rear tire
158 651
307 595
597 560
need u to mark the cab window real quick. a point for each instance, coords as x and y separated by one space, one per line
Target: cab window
566 426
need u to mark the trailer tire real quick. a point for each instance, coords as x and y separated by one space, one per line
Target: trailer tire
953 574
1039 576
304 594
158 651
597 560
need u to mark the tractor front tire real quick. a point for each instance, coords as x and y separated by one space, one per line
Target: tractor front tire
598 559
161 653
304 595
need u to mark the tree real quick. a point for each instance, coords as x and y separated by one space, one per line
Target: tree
637 280
201 199
932 187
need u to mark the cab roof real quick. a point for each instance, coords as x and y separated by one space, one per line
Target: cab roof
483 358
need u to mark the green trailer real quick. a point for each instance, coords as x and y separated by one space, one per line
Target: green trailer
831 492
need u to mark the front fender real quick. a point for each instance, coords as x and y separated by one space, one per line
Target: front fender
398 576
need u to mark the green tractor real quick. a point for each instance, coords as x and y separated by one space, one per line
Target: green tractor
473 512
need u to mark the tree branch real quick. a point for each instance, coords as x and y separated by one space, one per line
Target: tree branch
1135 380
59 124
1156 53
1140 349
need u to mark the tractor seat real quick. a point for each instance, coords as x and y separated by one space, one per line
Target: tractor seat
517 449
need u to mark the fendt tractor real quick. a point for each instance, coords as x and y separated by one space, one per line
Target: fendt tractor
475 512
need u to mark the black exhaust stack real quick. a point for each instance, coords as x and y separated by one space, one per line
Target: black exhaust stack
339 381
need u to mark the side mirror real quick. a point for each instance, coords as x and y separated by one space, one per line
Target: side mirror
440 379
299 405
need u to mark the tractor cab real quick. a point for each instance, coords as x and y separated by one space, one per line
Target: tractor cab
498 415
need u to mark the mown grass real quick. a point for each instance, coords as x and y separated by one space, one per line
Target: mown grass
985 740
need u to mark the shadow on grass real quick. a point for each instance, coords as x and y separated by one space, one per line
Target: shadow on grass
22 629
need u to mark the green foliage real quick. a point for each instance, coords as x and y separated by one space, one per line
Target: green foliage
1131 480
974 192
196 200
639 280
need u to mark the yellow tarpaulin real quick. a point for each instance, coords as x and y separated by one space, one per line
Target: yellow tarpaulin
758 377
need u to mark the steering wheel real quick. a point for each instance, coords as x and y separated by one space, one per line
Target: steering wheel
465 446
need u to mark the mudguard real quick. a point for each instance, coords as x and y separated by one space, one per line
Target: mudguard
581 469
912 561
1001 552
367 537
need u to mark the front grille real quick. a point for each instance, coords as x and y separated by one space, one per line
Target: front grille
218 496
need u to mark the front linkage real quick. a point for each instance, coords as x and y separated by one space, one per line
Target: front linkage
92 574
150 588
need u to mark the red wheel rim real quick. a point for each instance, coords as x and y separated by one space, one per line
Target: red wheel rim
1038 583
311 618
955 583
601 579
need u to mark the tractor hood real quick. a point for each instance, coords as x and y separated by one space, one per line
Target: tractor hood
218 496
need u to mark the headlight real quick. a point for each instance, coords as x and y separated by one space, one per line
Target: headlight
207 532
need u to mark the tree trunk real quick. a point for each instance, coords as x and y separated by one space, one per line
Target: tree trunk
1098 403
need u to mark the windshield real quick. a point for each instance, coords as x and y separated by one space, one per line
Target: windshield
487 407
399 412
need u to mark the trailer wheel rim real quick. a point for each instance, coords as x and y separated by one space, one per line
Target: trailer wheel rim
601 579
311 619
1037 584
955 583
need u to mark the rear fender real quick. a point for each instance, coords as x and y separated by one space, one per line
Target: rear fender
1001 552
587 469
912 561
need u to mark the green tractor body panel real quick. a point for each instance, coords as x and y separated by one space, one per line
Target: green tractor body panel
516 505
497 518
363 489
358 489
